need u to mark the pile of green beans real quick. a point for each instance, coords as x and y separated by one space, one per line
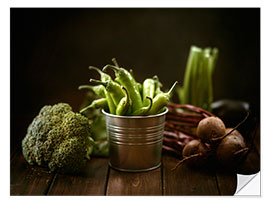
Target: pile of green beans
124 96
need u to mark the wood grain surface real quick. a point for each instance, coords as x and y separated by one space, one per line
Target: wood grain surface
91 182
26 179
141 183
100 179
188 181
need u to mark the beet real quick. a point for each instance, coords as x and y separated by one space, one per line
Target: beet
195 153
234 132
215 143
210 128
232 149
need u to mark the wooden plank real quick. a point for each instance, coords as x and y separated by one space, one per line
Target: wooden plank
227 181
140 183
187 181
26 179
91 182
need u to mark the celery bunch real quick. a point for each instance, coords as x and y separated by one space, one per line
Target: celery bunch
197 88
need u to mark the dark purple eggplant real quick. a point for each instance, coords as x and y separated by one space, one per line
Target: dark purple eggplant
230 111
233 112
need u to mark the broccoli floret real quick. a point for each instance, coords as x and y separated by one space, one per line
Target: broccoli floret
58 139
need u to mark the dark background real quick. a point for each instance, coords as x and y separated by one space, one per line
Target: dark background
51 50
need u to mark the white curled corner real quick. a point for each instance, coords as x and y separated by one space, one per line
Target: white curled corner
248 184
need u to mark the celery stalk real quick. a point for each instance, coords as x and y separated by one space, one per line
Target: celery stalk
197 86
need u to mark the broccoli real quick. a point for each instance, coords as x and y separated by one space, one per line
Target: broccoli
58 139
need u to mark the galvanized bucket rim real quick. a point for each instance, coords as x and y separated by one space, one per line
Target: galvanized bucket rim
128 117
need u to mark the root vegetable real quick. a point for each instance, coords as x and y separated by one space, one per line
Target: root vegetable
181 123
210 128
193 148
232 149
234 132
210 141
195 153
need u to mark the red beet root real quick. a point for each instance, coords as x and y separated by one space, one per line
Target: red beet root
209 128
234 132
232 149
195 153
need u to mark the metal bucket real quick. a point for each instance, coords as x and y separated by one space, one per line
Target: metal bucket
135 141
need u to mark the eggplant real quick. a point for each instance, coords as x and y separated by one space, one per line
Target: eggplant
232 112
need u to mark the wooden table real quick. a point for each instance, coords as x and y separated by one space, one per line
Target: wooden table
100 179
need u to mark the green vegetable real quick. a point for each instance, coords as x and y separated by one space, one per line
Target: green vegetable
124 104
126 80
115 62
105 77
99 134
98 126
139 85
197 88
144 110
148 89
161 100
113 88
102 149
110 102
96 104
99 90
91 113
158 85
137 99
58 139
